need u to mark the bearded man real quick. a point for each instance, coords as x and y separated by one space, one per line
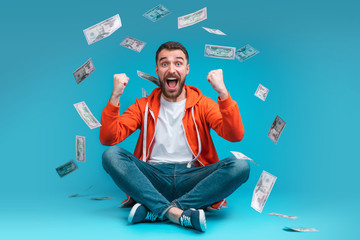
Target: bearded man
175 172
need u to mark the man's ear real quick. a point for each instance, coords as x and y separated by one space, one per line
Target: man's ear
188 69
156 69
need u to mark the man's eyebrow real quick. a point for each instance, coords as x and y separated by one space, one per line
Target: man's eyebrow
166 58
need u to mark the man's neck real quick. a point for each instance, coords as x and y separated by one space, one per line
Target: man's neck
181 97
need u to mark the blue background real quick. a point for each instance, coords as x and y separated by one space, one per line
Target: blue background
308 59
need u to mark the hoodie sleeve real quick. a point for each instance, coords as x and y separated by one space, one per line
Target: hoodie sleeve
225 118
115 127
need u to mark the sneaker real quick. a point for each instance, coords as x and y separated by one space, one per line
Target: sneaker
139 213
195 219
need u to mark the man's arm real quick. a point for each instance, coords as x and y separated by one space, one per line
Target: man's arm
224 117
116 128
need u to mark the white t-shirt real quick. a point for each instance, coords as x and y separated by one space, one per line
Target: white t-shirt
170 144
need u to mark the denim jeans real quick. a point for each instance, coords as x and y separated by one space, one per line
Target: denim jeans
162 186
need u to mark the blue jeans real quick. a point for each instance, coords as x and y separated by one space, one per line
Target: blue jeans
162 186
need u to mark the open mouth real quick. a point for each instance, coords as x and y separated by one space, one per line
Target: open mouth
172 83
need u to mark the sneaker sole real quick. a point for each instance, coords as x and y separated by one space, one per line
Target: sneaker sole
132 212
202 220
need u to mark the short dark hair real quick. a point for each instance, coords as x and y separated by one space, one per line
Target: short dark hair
171 45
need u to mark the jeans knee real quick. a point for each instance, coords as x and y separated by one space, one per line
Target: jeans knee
109 156
239 168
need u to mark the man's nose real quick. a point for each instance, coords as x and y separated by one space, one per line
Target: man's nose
172 68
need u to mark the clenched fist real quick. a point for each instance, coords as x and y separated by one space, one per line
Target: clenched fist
215 78
120 82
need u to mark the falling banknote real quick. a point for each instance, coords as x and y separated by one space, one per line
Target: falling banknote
144 93
241 156
102 30
192 18
66 168
219 51
133 44
84 71
262 191
283 215
148 77
157 13
80 149
214 31
86 115
300 229
276 129
101 198
261 92
245 53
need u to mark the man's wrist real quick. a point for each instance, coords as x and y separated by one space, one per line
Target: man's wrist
114 100
223 95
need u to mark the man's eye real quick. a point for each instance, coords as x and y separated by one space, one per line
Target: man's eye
178 64
164 64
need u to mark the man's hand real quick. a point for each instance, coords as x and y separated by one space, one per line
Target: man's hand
120 82
215 78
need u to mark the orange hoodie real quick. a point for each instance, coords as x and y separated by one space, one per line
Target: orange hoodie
201 114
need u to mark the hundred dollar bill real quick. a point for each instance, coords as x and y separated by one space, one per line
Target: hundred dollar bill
102 30
262 191
148 77
80 149
144 93
300 229
214 31
245 53
219 51
192 18
261 92
157 13
283 215
66 168
276 129
101 198
133 44
84 71
86 115
81 194
241 156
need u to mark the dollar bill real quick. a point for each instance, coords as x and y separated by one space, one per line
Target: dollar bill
192 18
261 92
80 149
219 51
102 30
133 44
262 191
300 229
148 77
276 129
144 93
86 115
101 198
245 53
84 71
157 13
84 194
241 156
214 31
66 168
283 215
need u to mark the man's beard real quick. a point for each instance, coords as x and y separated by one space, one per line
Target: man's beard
172 95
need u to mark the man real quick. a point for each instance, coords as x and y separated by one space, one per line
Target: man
175 168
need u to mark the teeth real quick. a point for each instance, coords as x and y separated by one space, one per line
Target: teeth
171 79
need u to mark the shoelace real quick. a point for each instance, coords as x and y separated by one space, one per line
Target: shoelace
185 221
151 216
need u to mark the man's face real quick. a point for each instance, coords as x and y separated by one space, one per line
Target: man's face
172 68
